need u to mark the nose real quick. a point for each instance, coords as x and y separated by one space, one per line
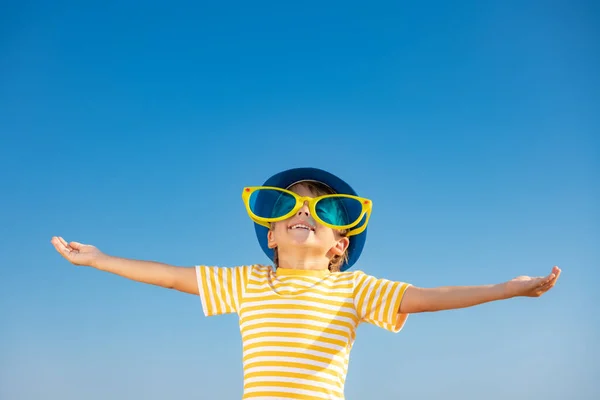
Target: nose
304 210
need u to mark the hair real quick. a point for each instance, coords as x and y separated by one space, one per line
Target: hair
319 189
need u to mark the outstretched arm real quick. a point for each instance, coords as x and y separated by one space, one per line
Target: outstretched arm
417 300
182 279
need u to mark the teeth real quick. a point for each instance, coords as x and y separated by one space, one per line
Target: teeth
300 226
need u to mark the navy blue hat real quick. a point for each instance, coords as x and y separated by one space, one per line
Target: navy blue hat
289 177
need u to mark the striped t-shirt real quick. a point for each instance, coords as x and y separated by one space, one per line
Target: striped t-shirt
298 326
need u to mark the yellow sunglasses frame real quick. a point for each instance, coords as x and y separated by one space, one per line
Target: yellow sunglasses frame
367 206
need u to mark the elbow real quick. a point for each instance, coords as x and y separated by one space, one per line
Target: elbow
416 309
418 300
168 281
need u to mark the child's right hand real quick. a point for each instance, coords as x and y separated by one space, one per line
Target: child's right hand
77 253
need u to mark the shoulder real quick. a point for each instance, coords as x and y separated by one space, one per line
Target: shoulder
260 268
356 274
258 271
348 276
245 270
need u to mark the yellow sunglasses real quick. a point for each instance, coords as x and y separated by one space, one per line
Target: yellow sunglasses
266 204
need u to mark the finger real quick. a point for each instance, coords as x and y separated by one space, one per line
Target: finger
57 243
548 279
547 286
553 277
538 282
557 272
76 245
61 248
63 241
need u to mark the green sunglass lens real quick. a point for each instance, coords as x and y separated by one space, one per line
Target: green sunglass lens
339 211
269 203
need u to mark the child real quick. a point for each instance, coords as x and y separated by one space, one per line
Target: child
298 320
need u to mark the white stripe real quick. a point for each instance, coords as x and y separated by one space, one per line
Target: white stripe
245 273
392 313
311 281
260 278
322 324
261 270
234 285
217 293
292 340
316 332
358 296
376 300
263 290
308 304
201 291
308 312
227 299
369 289
307 282
274 397
280 349
313 313
324 385
275 320
333 370
384 300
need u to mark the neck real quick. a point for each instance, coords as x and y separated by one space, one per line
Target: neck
301 261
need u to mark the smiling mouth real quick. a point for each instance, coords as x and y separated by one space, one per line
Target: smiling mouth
302 226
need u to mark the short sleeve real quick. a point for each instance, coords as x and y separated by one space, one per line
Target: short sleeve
377 301
221 288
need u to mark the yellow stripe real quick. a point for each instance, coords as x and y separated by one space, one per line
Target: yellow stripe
329 301
268 290
204 271
292 345
397 304
291 385
309 317
388 303
281 395
215 277
290 364
315 338
225 281
295 325
305 279
374 299
238 288
307 356
361 285
300 307
300 283
286 374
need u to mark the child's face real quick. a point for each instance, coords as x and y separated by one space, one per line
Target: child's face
301 234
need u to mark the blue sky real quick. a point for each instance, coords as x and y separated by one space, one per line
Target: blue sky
473 126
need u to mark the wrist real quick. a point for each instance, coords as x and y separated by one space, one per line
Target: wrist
505 291
100 261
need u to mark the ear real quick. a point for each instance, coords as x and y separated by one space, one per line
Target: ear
271 239
340 246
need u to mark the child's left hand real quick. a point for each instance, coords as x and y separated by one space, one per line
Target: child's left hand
532 287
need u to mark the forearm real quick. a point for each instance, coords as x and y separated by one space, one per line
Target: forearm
450 297
150 272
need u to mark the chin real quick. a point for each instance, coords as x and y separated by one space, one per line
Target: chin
302 243
309 242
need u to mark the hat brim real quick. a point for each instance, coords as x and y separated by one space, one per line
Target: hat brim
289 177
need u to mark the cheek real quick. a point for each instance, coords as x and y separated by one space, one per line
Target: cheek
279 226
326 234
